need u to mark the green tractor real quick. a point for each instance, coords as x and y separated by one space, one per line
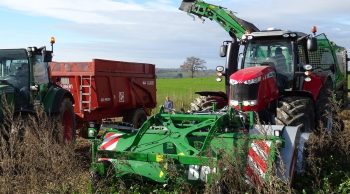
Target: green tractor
25 84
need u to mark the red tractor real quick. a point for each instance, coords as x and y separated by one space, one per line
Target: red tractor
286 77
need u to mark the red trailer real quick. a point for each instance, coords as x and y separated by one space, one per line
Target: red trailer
107 89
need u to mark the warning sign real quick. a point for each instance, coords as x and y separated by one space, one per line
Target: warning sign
121 97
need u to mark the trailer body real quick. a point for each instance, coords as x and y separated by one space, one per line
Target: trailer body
106 89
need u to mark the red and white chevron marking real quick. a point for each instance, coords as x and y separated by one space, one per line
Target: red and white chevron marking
257 160
110 141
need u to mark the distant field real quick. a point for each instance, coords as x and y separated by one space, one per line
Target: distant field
181 91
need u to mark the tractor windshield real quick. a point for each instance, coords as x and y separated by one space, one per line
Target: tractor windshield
14 67
40 69
276 53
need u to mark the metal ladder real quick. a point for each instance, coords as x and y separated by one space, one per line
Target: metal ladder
85 96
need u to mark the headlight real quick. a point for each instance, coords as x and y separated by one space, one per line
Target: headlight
234 102
220 68
307 79
253 81
250 103
307 67
277 133
233 82
285 35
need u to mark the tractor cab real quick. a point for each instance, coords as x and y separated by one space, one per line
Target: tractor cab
273 49
22 72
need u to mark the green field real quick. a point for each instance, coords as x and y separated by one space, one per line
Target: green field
182 91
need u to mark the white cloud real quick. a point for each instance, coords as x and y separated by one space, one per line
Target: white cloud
157 32
79 11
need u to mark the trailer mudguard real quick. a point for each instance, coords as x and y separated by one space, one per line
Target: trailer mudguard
54 97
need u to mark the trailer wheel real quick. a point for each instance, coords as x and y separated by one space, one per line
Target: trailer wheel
138 118
67 119
127 117
295 111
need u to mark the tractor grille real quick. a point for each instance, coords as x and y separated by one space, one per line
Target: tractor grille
242 91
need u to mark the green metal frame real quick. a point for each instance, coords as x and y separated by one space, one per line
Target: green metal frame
178 139
224 17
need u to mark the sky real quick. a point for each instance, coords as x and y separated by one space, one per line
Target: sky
155 31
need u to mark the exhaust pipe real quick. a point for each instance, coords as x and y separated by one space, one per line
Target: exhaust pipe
186 5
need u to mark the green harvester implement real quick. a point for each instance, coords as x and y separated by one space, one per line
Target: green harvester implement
194 144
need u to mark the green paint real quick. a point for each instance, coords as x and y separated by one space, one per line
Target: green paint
180 140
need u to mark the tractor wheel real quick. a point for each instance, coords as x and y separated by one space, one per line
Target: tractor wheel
345 97
205 103
323 108
67 120
138 118
295 111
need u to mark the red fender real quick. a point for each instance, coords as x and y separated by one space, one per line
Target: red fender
314 86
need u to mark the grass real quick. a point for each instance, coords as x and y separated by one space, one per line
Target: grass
34 163
182 91
32 160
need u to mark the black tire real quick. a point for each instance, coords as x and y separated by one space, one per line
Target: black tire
205 103
66 118
127 117
345 97
138 118
323 107
295 111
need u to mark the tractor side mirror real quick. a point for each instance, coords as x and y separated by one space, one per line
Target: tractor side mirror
312 44
223 51
47 55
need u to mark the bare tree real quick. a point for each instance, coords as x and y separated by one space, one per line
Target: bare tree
193 64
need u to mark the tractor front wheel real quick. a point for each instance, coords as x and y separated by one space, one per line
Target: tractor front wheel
205 103
295 111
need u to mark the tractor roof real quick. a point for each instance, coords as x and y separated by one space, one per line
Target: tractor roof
274 32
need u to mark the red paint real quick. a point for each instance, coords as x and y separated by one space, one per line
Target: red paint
314 86
257 160
253 176
116 87
268 90
263 146
109 143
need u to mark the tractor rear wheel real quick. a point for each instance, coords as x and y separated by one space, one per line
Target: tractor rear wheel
67 120
295 111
